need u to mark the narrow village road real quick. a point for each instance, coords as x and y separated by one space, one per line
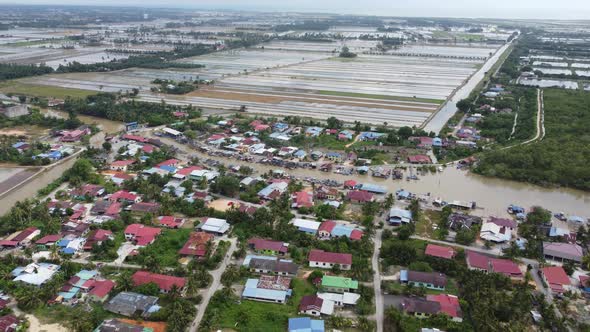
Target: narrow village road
377 281
540 123
214 285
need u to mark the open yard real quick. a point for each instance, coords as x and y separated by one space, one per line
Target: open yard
261 316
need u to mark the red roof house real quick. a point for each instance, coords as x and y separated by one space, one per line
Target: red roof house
302 199
121 165
349 184
142 235
477 261
134 138
170 221
325 259
196 244
359 196
169 162
164 282
97 236
268 246
556 278
49 239
506 267
100 289
419 159
449 304
311 305
439 251
326 227
125 196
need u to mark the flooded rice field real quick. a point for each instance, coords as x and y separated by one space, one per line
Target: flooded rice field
549 83
553 71
294 78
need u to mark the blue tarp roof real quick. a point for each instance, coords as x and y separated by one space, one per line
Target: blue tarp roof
68 251
169 169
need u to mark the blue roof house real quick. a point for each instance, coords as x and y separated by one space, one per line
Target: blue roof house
306 324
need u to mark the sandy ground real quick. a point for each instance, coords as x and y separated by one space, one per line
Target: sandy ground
221 204
37 326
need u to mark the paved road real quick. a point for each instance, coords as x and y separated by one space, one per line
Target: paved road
377 281
215 285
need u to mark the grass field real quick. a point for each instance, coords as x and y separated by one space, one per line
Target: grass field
383 97
261 316
19 88
165 248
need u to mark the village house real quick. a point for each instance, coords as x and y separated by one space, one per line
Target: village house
497 230
196 245
275 289
330 229
272 265
563 252
399 216
420 308
214 225
20 239
434 250
315 306
97 237
124 196
449 305
458 221
165 282
430 280
141 235
306 324
121 165
324 192
132 304
302 199
419 159
145 207
327 260
334 284
273 190
170 222
479 262
359 196
74 135
87 190
35 274
556 278
268 247
307 226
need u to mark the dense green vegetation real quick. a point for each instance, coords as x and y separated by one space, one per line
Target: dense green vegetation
561 158
173 87
226 311
109 106
10 71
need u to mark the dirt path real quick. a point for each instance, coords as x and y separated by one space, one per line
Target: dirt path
540 134
356 139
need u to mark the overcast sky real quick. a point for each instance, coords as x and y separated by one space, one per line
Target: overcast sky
564 9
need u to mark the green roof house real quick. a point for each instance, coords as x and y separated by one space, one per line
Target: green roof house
339 284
